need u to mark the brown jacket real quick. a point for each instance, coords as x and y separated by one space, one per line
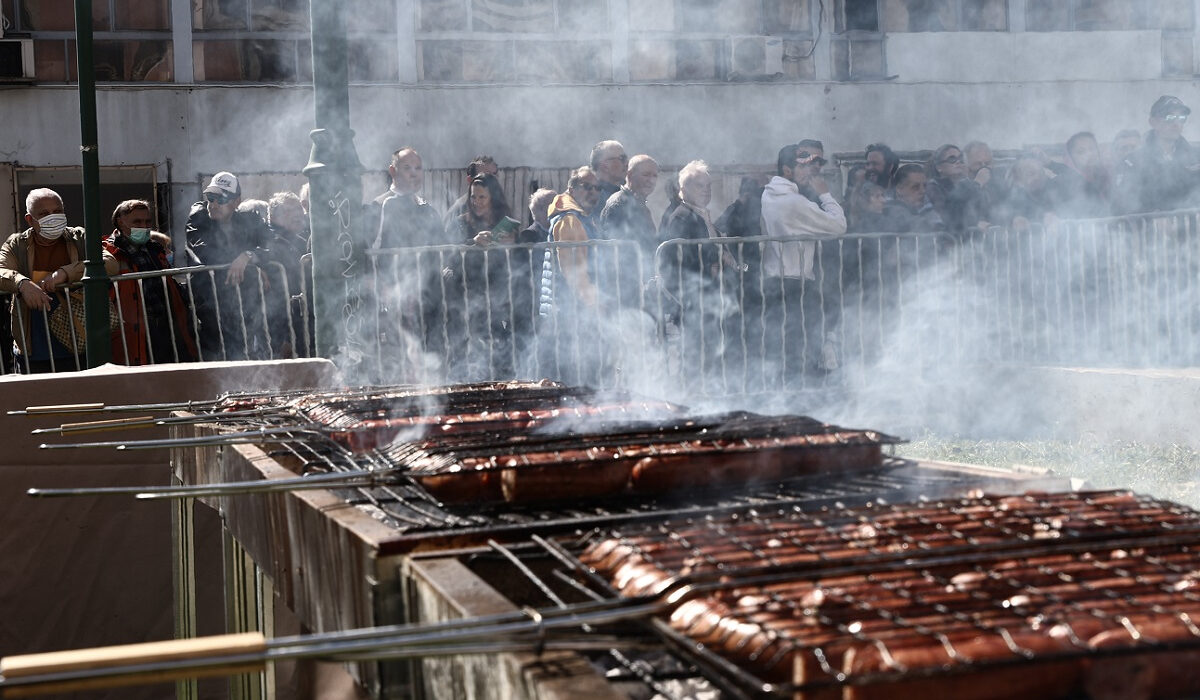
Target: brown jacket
16 266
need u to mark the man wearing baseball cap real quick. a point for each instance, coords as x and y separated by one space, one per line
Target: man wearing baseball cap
218 234
1164 173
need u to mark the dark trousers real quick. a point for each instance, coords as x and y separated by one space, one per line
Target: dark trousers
794 326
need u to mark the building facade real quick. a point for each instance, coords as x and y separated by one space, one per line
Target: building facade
190 87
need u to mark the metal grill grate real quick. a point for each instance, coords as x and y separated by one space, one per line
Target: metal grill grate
899 593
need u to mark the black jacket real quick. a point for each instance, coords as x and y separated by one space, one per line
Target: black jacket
214 245
1150 180
407 220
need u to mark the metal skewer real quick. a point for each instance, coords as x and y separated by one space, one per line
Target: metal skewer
364 478
528 629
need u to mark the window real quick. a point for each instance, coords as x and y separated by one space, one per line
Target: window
116 185
269 41
132 38
1100 15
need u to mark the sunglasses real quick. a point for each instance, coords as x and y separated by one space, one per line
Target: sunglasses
1175 118
806 158
218 198
588 187
952 160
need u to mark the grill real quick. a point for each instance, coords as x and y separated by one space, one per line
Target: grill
517 458
424 501
1059 595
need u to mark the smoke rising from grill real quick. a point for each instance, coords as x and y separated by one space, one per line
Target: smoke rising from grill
943 312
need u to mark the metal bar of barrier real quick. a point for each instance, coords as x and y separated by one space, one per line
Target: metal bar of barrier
166 329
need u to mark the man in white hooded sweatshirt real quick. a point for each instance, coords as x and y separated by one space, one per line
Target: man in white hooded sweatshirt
797 203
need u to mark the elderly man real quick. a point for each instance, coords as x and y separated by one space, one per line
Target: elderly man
218 234
35 265
155 317
538 231
979 160
1163 174
796 202
626 217
609 163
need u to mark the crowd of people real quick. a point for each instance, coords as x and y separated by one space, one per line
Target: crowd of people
484 308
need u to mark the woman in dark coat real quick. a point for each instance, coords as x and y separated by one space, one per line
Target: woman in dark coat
478 298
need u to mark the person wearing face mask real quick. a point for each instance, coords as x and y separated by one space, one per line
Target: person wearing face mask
155 317
219 234
35 266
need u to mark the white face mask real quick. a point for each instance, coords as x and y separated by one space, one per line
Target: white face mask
52 226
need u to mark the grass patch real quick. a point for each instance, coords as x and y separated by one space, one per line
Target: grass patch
1165 471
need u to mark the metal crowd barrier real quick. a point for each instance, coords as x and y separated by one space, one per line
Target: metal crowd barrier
180 315
471 313
708 317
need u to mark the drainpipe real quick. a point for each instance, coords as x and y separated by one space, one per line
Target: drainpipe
341 301
95 278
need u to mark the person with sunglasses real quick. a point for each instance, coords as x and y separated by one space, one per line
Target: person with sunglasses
568 294
959 201
1164 173
219 234
796 204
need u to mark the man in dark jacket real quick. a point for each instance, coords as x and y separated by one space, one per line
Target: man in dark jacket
218 234
1080 187
627 218
409 287
1164 173
609 162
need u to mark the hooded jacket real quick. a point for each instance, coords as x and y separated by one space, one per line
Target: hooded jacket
787 213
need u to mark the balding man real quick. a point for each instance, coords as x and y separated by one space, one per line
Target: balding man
626 217
35 265
609 163
405 218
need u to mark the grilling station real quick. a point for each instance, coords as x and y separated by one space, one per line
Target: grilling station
530 539
535 540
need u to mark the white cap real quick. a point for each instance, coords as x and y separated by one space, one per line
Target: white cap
224 183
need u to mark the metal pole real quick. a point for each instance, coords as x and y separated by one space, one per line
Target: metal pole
340 301
95 278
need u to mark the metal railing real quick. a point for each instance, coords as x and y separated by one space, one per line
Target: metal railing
472 313
175 315
711 316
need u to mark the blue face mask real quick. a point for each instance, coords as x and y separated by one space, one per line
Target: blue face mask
139 236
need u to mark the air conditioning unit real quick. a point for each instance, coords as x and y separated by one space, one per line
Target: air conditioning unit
16 60
755 57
